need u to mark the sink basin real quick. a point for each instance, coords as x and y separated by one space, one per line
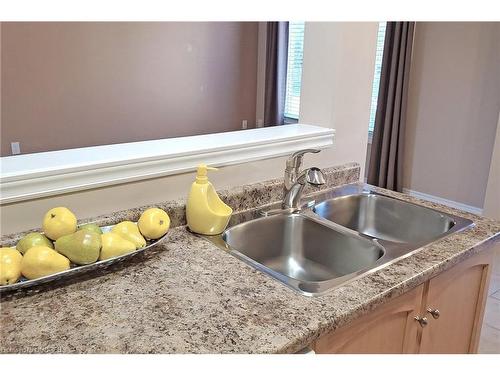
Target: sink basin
300 251
386 218
350 232
299 247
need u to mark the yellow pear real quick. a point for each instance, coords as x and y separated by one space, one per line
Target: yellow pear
42 261
114 245
59 222
10 265
153 223
130 232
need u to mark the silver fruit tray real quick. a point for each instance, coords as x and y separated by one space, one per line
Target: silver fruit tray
76 270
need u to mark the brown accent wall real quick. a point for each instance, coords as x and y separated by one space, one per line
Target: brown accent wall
77 84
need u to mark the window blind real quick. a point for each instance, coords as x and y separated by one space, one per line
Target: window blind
294 69
376 77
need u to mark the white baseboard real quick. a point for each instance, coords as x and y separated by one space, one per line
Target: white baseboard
446 202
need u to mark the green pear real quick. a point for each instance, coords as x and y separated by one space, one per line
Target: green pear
32 240
81 247
91 227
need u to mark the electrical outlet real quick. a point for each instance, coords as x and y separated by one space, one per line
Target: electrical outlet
15 148
260 123
244 124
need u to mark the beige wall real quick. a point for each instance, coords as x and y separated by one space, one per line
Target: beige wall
77 84
454 100
350 75
337 78
492 199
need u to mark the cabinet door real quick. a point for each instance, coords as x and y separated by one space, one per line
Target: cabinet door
390 328
460 296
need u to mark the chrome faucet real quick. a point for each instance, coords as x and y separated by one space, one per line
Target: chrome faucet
295 180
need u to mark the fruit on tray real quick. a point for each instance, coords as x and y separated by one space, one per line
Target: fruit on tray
63 242
153 223
10 265
130 232
42 261
81 247
59 222
92 227
31 240
114 245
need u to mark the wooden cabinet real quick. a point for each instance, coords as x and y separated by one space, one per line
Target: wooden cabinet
459 296
389 329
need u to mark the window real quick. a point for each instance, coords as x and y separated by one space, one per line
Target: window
294 70
376 77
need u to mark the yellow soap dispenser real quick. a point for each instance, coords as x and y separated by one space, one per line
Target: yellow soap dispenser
206 213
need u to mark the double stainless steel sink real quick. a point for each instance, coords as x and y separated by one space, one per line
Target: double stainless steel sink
349 232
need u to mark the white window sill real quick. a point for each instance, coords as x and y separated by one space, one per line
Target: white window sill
290 120
46 174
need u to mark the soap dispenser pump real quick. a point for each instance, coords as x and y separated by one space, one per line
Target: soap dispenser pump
206 213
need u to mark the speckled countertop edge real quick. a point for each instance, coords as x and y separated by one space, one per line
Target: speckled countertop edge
194 298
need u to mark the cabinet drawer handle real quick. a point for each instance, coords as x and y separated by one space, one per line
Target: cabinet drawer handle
422 321
434 312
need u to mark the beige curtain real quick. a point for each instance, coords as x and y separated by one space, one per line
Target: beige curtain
386 157
276 64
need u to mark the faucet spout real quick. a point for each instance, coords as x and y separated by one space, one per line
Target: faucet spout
313 176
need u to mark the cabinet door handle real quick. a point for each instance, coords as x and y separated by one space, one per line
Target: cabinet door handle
422 321
434 312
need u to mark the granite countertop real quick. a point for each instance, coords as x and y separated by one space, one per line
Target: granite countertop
188 296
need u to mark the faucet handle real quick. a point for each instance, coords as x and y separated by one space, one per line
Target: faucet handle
295 161
306 151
